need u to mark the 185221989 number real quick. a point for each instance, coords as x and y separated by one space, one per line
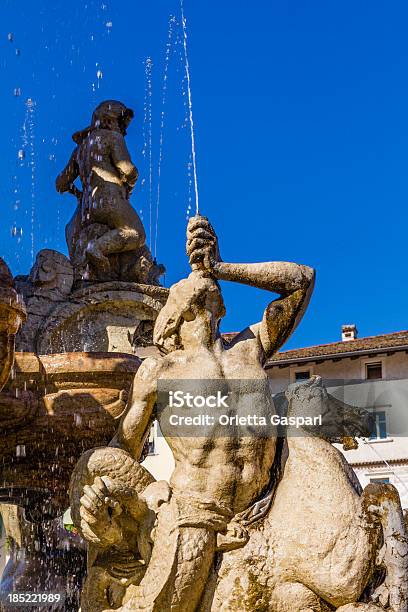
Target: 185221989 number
33 599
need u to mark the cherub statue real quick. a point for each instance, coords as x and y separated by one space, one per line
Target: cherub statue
105 224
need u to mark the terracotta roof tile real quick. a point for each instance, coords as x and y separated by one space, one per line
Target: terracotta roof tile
368 344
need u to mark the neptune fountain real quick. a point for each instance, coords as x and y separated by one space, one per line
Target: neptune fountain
251 520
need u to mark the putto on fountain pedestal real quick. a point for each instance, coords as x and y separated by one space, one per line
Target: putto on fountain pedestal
106 295
106 238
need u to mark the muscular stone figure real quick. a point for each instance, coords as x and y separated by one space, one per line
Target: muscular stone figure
102 162
215 478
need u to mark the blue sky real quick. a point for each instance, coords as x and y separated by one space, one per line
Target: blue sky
301 126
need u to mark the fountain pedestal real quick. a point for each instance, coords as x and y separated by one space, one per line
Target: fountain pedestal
53 409
111 316
86 316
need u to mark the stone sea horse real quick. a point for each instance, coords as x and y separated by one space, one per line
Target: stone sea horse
318 543
325 544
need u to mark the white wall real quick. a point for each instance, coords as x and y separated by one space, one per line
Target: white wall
389 395
161 463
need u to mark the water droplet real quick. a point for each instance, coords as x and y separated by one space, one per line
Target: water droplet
17 91
10 36
109 24
21 154
20 450
99 74
16 232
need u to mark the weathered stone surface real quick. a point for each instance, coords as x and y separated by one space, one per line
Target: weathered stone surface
12 315
106 317
105 237
48 284
53 409
101 318
320 541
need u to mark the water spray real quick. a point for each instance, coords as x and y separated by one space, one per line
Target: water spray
169 46
190 104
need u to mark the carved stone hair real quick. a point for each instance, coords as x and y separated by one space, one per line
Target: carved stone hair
186 298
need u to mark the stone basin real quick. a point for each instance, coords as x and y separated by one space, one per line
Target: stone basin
53 408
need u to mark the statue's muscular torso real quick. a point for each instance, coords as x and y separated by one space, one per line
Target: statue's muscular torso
232 470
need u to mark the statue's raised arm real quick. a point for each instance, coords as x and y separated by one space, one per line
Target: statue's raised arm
292 282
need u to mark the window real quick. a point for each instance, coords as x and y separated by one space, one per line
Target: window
380 426
374 371
303 375
380 480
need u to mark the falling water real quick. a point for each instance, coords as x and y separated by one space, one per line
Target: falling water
147 137
30 136
190 187
186 122
20 450
190 105
101 28
169 47
25 159
99 74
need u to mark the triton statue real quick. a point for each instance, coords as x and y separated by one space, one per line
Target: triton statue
247 522
105 226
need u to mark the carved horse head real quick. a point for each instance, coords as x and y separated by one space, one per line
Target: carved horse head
340 422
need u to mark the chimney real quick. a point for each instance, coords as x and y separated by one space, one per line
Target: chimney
349 332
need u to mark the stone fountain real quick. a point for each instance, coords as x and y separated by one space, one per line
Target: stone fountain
67 373
253 517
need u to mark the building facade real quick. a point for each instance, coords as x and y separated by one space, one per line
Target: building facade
370 373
